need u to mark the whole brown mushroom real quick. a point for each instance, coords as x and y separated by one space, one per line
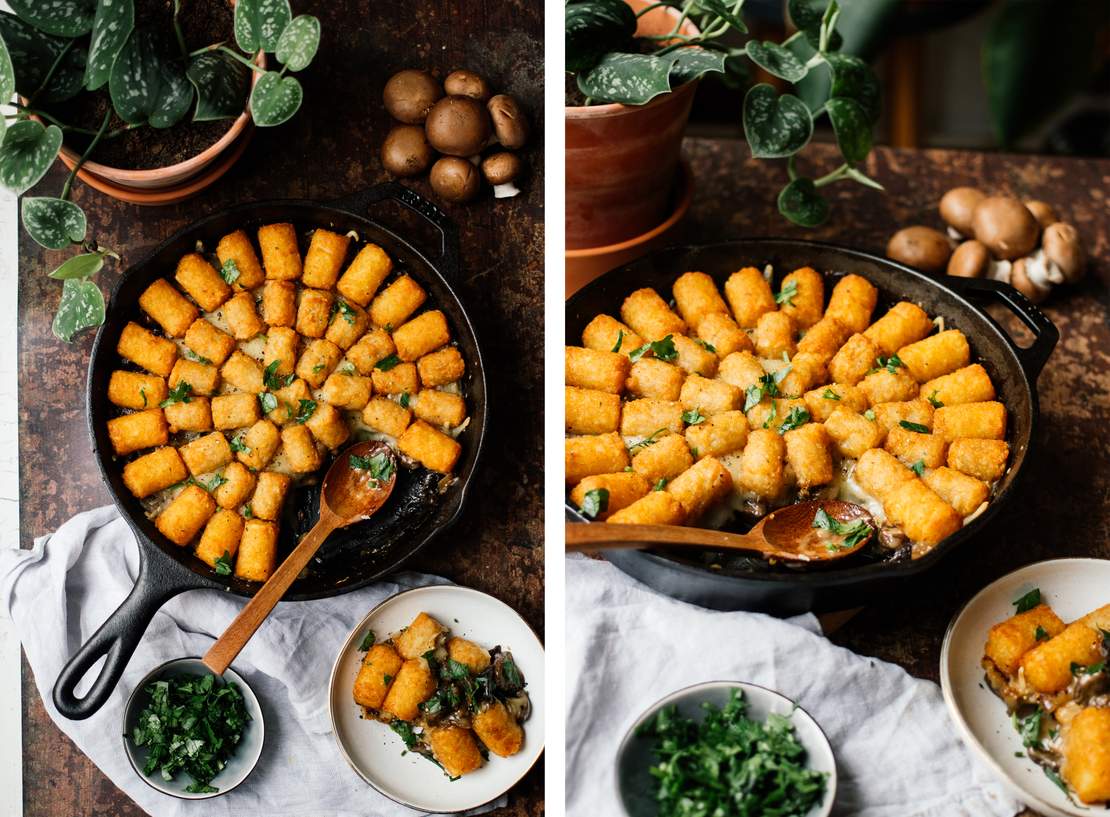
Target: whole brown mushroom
1020 280
957 207
920 247
410 94
501 170
458 126
406 152
1006 227
467 83
455 180
970 260
1063 248
1042 212
509 122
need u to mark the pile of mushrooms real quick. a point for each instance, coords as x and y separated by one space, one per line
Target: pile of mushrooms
459 119
1020 243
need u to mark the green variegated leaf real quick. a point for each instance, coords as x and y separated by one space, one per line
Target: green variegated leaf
776 60
62 18
853 131
85 265
298 43
853 78
631 79
81 307
222 84
147 84
775 126
718 8
808 16
694 63
34 52
259 23
27 152
113 24
53 223
7 75
595 27
275 99
800 202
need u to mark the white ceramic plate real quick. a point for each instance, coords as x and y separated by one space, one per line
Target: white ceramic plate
634 782
375 751
1072 587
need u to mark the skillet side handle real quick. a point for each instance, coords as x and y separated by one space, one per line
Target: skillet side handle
1045 334
448 232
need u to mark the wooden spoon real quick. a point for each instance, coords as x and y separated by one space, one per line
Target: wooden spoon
349 494
786 534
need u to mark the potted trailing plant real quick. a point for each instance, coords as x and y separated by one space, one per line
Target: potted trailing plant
632 66
143 77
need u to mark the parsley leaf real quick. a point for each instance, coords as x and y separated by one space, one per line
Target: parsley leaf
693 416
787 294
1029 727
268 402
1028 601
796 417
347 311
620 340
1040 634
178 394
767 423
918 467
274 381
379 465
595 502
661 349
223 565
933 399
142 394
915 427
661 484
706 345
405 400
853 532
238 446
217 480
305 411
891 364
193 356
229 271
829 394
650 439
387 363
870 414
367 641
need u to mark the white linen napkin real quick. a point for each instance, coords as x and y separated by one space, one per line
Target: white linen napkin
897 753
62 590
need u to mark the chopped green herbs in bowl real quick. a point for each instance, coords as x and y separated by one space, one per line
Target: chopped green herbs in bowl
728 750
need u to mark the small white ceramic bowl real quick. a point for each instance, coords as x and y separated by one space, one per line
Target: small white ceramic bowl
239 765
635 757
378 755
1072 587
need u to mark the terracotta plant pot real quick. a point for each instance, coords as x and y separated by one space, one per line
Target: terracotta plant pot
622 159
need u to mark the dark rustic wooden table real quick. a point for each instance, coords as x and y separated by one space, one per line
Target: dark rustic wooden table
329 150
1062 506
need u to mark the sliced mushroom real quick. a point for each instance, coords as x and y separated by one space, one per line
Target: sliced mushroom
1063 248
405 151
1042 212
970 260
467 83
920 247
1005 226
458 126
455 180
957 207
509 122
1021 281
410 94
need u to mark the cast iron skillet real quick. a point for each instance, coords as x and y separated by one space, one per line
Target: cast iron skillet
1013 369
352 557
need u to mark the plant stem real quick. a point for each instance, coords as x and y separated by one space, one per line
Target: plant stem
50 74
177 29
212 47
241 59
835 175
791 38
84 156
652 7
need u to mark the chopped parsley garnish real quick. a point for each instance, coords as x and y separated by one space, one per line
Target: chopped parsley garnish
387 679
512 674
932 398
661 349
767 423
787 294
650 439
268 401
796 417
367 641
891 364
1058 781
620 340
223 565
917 428
238 446
1092 669
404 729
229 271
387 363
319 367
1029 727
918 467
870 415
693 416
347 368
706 345
1040 634
304 411
661 484
768 386
1028 601
248 512
404 400
829 394
217 480
347 311
595 502
142 394
178 394
853 532
193 356
379 465
274 381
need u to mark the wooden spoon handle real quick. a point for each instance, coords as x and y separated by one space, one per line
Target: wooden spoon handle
239 632
582 537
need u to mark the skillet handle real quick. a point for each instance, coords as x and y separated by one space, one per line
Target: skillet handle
448 232
116 640
1045 334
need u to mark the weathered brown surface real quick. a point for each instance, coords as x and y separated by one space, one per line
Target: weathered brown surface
329 150
1062 506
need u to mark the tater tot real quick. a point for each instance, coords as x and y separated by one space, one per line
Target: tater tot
852 433
281 257
201 282
347 391
589 411
962 492
387 416
664 459
260 444
242 372
982 459
886 386
806 371
135 390
692 357
209 342
327 252
823 339
774 335
890 415
904 324
317 361
645 416
314 312
134 432
440 368
822 401
709 396
236 487
371 349
348 323
1047 667
375 675
807 453
591 369
1009 640
594 454
720 331
720 434
269 494
498 730
201 377
152 472
922 515
851 303
649 377
424 333
257 550
169 308
970 384
749 296
606 334
182 519
696 296
807 304
985 421
237 249
413 685
399 379
853 360
300 449
431 448
654 508
879 473
279 303
365 275
396 302
422 634
912 447
444 409
206 453
761 464
235 410
145 349
649 316
936 355
467 652
623 488
1086 765
220 537
328 425
281 345
700 486
195 415
289 401
742 370
455 749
